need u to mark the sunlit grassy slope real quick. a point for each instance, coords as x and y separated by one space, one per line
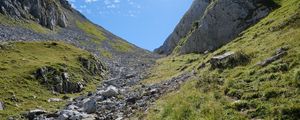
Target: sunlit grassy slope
98 36
4 20
19 90
243 92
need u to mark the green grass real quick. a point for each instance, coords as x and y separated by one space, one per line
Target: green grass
35 27
105 53
121 46
94 31
171 66
20 60
245 91
190 104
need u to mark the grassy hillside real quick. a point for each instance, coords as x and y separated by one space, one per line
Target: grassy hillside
246 91
19 89
4 20
98 36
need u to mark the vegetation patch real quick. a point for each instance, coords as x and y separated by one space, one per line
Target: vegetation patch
242 91
35 27
96 33
21 91
171 66
121 46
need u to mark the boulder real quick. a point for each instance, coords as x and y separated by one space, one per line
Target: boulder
72 107
55 100
111 91
281 52
63 117
93 65
89 105
129 76
229 60
65 76
215 61
34 113
70 115
57 81
1 106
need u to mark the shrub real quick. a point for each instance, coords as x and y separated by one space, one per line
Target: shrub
284 67
249 96
273 92
209 82
240 105
291 113
234 93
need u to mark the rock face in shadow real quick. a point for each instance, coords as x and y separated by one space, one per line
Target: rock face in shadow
211 24
45 12
59 79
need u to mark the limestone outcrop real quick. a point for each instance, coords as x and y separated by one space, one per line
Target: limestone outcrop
48 13
210 24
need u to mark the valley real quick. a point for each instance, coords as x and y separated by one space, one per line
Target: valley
224 60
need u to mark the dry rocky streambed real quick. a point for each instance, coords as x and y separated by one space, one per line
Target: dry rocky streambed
117 98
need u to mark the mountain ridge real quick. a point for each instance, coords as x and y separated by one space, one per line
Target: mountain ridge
211 24
226 59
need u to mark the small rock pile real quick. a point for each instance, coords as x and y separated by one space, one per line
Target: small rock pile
58 81
114 100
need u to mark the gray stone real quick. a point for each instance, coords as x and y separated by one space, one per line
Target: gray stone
223 56
58 81
111 91
72 107
154 91
34 113
75 117
89 105
229 60
279 54
67 112
65 76
216 60
63 117
55 100
1 106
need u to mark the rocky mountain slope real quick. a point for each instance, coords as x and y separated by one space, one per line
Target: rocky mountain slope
253 77
34 73
228 59
50 54
210 24
40 20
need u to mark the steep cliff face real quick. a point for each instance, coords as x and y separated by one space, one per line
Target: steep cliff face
44 20
35 35
185 25
45 12
218 23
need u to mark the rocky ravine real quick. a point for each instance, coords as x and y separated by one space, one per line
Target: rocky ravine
117 98
210 24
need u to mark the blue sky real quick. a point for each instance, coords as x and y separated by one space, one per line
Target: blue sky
145 23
